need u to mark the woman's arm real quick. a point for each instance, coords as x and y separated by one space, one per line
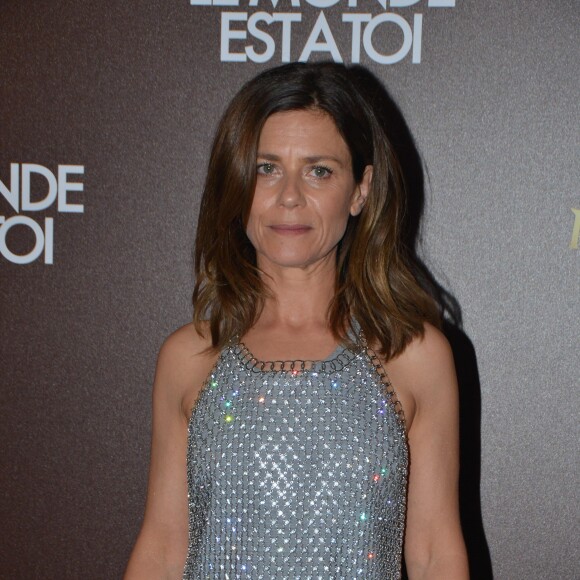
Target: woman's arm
161 546
434 546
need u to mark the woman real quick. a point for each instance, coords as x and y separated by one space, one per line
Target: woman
314 464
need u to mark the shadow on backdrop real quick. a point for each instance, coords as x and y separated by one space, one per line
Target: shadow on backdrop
480 566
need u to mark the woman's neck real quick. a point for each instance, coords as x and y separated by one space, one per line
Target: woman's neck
294 321
299 296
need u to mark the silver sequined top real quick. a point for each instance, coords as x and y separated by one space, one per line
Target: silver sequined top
296 470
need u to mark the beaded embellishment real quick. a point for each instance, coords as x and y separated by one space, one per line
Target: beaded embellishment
296 470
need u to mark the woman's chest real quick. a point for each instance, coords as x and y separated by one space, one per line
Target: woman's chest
332 428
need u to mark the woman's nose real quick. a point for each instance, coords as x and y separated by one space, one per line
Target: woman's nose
291 193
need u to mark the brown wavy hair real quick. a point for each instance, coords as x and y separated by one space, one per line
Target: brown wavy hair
374 283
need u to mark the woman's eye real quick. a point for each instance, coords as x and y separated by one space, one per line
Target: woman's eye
265 168
321 171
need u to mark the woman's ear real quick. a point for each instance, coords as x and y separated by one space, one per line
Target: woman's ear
362 191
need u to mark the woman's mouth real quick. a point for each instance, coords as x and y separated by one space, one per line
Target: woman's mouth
290 229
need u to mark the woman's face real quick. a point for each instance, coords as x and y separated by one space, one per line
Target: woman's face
305 191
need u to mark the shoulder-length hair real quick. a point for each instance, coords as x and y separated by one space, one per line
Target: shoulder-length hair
374 283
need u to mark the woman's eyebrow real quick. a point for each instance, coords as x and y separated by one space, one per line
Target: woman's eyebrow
268 156
317 158
307 159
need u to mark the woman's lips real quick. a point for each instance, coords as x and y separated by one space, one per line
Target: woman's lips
290 229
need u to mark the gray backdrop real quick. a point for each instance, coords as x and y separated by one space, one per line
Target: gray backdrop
106 115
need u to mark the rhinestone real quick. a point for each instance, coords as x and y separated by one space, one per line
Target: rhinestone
310 485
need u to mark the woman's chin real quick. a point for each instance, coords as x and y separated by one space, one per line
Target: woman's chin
293 261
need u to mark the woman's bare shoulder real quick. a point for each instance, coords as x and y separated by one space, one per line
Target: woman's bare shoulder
187 341
184 361
430 349
424 372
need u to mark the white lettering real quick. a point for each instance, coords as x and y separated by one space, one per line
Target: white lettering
227 34
441 4
407 38
6 225
402 3
27 203
322 3
260 35
417 38
312 44
64 187
48 241
286 19
357 20
59 188
293 3
321 38
354 4
11 195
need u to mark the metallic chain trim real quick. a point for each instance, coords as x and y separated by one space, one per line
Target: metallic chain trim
251 363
